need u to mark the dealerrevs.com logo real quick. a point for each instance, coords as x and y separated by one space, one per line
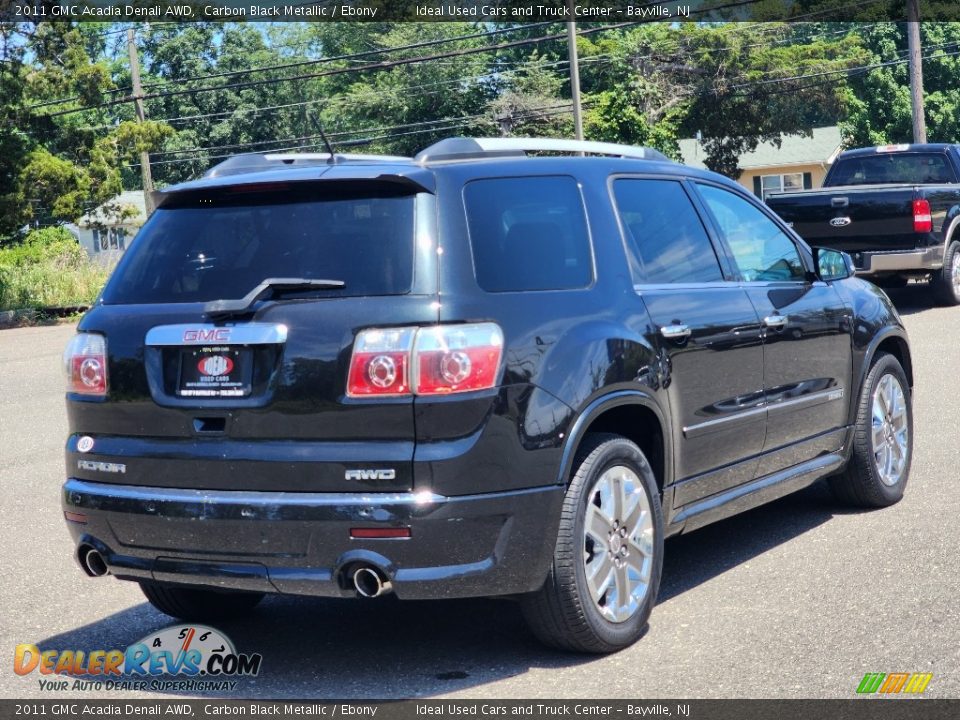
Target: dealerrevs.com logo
179 657
894 683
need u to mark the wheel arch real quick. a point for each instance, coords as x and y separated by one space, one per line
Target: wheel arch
632 414
892 342
952 222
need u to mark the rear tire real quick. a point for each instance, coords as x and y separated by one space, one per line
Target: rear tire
879 467
946 281
612 529
197 604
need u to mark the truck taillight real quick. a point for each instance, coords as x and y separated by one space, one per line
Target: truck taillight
85 363
438 360
922 220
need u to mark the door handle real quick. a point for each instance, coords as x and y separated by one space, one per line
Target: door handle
775 322
676 331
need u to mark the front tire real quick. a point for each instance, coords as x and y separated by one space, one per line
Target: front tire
606 568
197 604
946 282
877 473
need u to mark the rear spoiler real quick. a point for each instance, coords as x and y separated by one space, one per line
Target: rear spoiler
416 181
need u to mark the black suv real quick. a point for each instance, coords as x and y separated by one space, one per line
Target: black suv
469 373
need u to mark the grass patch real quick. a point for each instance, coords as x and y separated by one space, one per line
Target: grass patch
48 270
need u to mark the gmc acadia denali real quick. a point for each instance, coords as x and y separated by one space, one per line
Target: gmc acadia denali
470 373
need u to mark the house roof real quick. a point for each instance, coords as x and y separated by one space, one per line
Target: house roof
793 150
106 214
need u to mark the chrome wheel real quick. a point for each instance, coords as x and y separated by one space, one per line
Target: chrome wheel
955 274
618 543
890 435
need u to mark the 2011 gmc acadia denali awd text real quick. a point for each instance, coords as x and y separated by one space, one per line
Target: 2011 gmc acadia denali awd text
470 373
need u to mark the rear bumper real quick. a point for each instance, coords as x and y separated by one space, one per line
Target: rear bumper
298 543
875 263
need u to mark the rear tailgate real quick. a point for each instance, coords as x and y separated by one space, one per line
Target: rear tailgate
851 218
257 401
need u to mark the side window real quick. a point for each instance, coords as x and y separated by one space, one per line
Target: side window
762 251
528 234
665 231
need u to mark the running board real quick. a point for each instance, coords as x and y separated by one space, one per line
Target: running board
756 492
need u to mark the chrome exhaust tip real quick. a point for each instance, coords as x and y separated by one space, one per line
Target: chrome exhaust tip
94 564
368 583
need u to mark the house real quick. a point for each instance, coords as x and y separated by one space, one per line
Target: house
800 162
105 231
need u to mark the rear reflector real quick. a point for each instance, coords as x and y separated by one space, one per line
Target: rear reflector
379 533
922 220
75 517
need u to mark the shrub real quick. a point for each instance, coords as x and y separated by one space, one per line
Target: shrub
48 269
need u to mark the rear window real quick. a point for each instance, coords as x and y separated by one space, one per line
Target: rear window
220 245
892 168
528 234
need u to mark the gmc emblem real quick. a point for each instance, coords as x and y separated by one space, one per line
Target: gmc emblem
213 335
371 474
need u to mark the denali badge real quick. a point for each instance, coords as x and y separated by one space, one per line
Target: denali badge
371 474
841 221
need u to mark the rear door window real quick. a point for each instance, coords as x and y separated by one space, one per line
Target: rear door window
528 233
221 244
665 232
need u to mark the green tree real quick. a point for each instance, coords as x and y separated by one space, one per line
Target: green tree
878 101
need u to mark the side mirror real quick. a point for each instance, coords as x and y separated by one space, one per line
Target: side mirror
833 264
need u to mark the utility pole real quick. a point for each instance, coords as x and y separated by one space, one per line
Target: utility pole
916 71
138 105
574 76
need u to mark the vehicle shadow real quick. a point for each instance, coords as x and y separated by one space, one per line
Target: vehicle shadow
912 299
346 649
691 560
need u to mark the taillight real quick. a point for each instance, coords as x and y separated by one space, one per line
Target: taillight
436 360
381 363
85 362
922 221
456 358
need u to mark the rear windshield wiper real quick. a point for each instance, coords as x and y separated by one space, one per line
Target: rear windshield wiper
270 286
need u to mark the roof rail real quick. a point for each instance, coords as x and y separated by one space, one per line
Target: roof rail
462 148
261 162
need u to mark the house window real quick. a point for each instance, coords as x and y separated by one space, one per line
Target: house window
780 183
117 238
96 240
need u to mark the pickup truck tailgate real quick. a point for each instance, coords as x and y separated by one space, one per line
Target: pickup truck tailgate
851 218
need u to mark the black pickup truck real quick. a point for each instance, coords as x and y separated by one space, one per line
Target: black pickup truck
894 208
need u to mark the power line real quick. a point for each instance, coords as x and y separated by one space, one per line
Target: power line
350 56
343 100
383 65
435 126
408 88
334 58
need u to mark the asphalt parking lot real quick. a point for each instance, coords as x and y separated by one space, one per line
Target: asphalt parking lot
795 599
